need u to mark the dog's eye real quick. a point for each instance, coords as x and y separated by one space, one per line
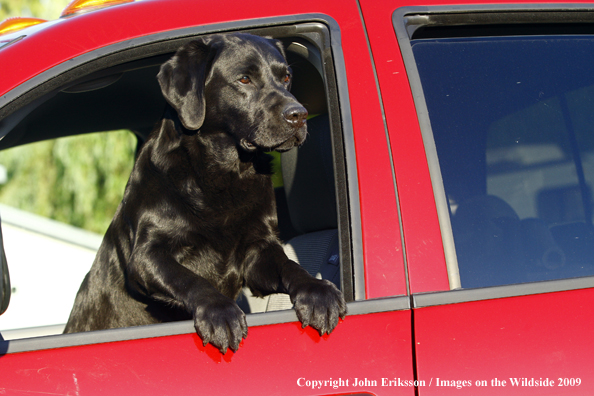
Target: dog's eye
245 80
287 78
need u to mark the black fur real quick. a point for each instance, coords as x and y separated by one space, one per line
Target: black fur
198 219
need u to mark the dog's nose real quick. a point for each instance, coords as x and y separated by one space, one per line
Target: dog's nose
295 115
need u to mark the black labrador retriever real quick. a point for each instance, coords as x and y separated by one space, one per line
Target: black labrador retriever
198 220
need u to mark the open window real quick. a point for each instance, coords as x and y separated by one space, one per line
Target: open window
119 91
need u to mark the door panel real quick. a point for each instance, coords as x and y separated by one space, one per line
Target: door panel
275 359
373 343
508 144
528 339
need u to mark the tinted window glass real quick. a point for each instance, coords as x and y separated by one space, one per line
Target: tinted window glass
513 121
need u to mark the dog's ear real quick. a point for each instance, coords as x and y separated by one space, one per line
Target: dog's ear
182 80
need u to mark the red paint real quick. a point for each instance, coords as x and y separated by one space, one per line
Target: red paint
424 248
270 362
537 336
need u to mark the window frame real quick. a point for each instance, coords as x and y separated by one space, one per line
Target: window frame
319 28
407 21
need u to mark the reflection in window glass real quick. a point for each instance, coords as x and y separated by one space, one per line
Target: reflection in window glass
513 121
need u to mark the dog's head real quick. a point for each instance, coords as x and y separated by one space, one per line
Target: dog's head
238 83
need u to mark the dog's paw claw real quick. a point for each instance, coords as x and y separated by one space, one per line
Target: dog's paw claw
221 323
319 304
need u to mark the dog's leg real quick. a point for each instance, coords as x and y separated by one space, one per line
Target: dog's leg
155 274
317 302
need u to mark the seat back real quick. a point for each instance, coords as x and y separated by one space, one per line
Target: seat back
308 176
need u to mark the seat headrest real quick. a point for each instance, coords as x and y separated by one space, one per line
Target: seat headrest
308 84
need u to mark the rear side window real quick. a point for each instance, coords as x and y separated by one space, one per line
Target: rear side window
513 122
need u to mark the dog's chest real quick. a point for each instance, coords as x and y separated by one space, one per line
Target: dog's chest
229 215
236 197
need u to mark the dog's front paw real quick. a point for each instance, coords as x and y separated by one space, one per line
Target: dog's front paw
220 322
319 304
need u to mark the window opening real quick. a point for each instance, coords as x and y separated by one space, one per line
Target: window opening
41 119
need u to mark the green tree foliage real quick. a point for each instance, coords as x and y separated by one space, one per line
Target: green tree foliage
77 180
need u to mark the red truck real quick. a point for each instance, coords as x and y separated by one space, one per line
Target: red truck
446 186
